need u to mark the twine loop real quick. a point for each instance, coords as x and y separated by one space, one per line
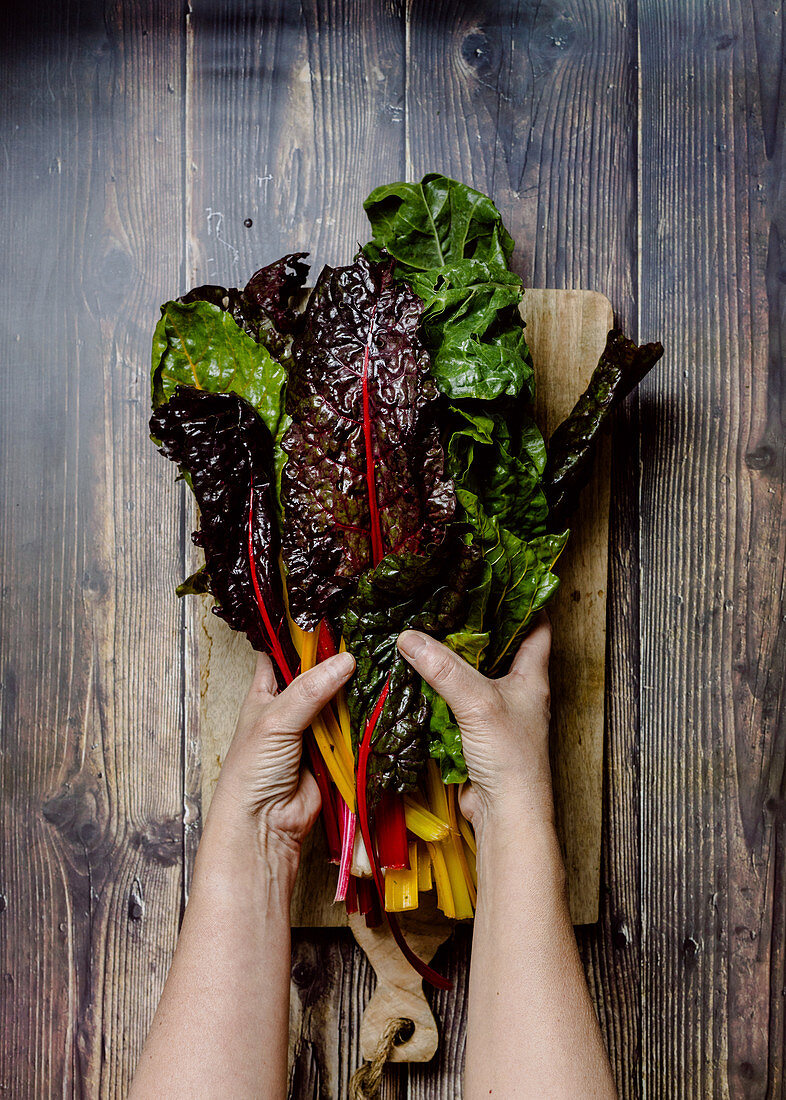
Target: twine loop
366 1080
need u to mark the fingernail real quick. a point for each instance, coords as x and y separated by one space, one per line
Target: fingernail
342 664
412 644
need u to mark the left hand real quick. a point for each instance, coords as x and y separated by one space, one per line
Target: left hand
261 779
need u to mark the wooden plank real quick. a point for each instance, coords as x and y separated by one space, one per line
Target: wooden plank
712 536
92 811
536 105
567 332
295 112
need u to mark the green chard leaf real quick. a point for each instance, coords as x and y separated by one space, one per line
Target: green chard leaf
427 592
199 344
428 224
501 462
445 745
521 581
514 582
472 326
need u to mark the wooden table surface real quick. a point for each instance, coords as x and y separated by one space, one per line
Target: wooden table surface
635 148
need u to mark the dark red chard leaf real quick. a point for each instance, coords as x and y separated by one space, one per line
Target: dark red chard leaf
273 288
365 472
264 308
405 591
573 445
226 450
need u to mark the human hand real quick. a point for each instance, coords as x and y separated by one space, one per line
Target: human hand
261 780
504 723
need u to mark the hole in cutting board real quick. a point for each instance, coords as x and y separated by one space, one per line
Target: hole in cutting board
404 1033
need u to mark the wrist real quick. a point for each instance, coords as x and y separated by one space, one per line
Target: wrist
238 846
519 805
528 831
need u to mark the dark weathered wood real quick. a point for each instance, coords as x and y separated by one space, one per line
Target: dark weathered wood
295 112
712 539
92 226
536 106
137 138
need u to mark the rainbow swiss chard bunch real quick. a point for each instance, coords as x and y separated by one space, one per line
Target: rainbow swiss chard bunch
373 456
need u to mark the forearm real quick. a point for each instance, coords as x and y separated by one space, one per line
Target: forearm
531 1029
221 1026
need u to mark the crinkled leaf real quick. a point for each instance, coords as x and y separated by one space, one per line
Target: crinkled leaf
522 581
471 644
503 424
199 344
514 581
473 329
572 446
264 309
434 222
445 745
501 462
272 290
405 591
365 471
228 453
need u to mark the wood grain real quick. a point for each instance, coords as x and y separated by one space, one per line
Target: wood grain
712 538
567 332
631 145
92 677
536 104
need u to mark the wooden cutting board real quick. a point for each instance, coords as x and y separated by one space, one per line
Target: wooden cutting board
566 332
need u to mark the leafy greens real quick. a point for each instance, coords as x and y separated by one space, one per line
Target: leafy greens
365 472
382 438
227 451
572 446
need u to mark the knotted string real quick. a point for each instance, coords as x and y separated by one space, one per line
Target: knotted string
366 1080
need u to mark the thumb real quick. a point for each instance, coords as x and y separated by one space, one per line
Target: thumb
302 700
533 653
462 687
264 683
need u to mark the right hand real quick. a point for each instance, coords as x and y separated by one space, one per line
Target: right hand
504 724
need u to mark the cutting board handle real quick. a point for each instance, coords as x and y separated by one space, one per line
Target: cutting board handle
399 993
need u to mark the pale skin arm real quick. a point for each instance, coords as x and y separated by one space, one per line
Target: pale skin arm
222 1023
531 1027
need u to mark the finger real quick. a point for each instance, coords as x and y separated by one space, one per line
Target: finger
467 800
462 687
308 788
533 653
302 700
264 682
